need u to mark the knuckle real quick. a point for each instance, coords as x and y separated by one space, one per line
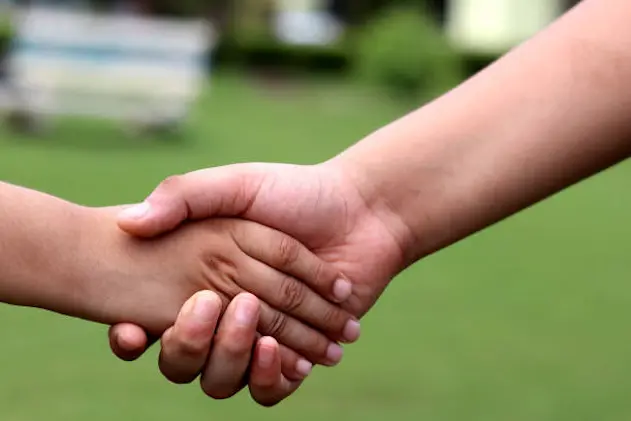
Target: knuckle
292 293
234 345
171 183
188 349
322 346
221 273
288 251
316 346
333 318
277 325
322 274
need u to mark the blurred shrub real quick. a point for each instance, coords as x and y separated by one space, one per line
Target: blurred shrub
266 52
6 32
406 52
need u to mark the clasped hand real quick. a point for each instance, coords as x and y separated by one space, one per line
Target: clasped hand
327 234
286 295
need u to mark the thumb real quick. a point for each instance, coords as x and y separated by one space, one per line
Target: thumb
148 220
221 191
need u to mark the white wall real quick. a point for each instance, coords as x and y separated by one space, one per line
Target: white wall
494 26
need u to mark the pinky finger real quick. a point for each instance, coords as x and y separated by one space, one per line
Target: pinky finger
267 384
293 366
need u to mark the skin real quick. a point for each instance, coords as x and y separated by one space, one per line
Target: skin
74 260
550 113
234 346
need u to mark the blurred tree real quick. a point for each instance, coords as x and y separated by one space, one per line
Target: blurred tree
405 51
359 11
165 7
181 7
6 25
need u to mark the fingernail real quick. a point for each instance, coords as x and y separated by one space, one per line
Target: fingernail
303 367
245 312
137 211
342 289
352 331
188 306
205 308
266 357
334 353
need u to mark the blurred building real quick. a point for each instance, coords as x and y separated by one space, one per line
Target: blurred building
494 26
124 65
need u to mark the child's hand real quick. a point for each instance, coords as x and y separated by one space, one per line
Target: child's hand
227 355
147 281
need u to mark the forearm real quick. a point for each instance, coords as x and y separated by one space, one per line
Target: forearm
73 260
549 114
40 249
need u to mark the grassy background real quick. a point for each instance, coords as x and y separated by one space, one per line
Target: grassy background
525 321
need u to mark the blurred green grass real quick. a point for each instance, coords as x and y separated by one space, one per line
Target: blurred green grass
525 321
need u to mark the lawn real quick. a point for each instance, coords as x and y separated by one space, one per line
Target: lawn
525 321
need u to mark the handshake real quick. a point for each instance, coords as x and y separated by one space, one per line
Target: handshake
249 274
225 264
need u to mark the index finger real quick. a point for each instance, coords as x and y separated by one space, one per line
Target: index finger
288 255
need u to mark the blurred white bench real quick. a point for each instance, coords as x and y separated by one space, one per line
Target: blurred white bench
115 67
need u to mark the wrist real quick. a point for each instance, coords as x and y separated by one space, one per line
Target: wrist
74 260
125 279
90 268
361 184
55 280
408 174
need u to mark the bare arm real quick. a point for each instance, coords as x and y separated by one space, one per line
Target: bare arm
72 260
552 112
64 257
41 250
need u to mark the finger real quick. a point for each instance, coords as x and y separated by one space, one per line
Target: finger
290 296
232 348
315 347
221 191
288 255
186 345
128 342
267 384
293 366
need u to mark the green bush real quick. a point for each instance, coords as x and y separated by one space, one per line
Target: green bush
6 32
405 51
266 52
